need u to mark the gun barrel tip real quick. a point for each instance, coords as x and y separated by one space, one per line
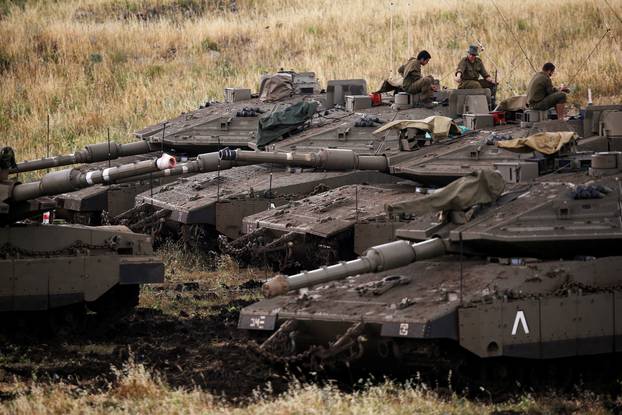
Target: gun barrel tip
166 161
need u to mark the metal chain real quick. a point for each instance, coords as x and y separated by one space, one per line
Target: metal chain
280 337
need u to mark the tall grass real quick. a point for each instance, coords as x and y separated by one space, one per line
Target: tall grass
93 65
139 391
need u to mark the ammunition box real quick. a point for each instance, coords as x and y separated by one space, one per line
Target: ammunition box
357 102
478 121
237 94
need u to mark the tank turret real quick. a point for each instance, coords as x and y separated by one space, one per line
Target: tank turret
71 268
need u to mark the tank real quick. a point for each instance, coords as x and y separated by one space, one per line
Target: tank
202 207
209 205
70 268
213 126
346 221
487 271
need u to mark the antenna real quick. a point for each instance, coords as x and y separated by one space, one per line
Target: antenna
108 146
409 38
163 131
356 201
48 137
461 259
391 36
507 26
589 55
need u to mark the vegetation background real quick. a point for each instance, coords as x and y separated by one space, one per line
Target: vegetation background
125 64
90 65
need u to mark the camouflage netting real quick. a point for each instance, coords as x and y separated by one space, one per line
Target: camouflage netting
480 187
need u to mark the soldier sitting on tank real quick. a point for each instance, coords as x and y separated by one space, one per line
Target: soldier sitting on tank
469 70
541 95
413 82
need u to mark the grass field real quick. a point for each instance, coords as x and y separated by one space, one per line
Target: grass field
121 65
124 64
137 391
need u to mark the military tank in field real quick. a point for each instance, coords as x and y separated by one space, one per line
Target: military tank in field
487 271
201 208
70 267
346 221
214 125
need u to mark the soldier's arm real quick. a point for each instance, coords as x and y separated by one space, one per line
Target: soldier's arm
461 68
549 86
459 71
483 72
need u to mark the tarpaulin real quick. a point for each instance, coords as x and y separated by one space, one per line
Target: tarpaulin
545 143
273 125
515 103
276 88
438 126
484 186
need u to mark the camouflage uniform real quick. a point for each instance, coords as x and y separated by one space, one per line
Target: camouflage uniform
414 83
470 74
541 95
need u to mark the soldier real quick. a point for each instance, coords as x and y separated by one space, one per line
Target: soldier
470 68
541 95
414 82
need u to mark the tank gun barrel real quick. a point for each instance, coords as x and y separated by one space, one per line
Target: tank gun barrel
326 158
378 258
72 179
204 163
90 154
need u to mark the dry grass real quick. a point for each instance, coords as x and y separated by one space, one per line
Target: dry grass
138 391
186 264
124 64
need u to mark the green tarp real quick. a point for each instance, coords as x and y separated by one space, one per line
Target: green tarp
273 125
484 186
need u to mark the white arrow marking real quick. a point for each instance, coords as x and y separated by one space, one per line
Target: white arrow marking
520 317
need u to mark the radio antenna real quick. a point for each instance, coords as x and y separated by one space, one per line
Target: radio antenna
507 26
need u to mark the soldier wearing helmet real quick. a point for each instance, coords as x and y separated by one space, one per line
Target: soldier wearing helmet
470 69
